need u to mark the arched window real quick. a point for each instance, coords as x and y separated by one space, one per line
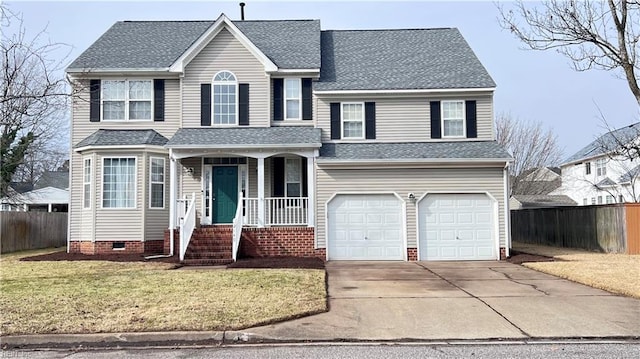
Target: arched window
225 98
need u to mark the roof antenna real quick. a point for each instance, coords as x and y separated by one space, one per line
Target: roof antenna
241 11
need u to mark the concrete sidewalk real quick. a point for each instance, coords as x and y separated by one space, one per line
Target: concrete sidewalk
423 301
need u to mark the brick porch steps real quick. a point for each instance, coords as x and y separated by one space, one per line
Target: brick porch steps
210 245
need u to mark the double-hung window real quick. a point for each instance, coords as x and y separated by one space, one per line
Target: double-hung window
156 182
601 167
86 184
225 98
127 100
453 119
293 177
352 115
293 98
587 168
119 182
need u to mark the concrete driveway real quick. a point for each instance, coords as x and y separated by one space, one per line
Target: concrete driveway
458 300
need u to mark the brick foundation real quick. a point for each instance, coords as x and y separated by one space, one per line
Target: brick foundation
106 247
279 242
412 254
167 241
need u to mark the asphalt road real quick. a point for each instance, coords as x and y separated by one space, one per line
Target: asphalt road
364 351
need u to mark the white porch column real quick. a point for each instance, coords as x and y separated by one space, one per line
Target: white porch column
311 191
173 180
261 211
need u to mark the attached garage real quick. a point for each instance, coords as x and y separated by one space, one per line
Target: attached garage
365 227
457 226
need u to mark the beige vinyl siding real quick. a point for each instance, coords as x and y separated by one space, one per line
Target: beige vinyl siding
82 127
252 168
120 224
190 183
407 119
80 219
225 52
156 220
404 181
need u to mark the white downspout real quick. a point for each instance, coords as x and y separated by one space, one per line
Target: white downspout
507 213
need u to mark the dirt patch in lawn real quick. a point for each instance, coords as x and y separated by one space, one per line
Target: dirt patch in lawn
521 257
64 256
279 262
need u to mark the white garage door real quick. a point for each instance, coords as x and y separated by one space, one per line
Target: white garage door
365 227
457 227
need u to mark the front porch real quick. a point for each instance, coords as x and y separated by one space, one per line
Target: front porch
254 185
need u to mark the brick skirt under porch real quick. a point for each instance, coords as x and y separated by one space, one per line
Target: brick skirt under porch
106 247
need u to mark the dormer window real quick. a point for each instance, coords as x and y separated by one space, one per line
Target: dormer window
225 98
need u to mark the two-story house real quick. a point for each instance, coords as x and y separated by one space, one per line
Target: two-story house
205 138
600 174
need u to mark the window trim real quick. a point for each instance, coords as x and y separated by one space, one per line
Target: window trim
213 97
152 182
135 183
464 118
286 180
86 183
601 167
285 99
126 100
342 121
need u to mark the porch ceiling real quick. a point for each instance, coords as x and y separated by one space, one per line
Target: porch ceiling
247 138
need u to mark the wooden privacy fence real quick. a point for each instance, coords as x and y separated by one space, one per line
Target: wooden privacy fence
32 230
608 228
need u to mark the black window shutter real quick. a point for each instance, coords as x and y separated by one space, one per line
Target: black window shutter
243 105
278 176
370 120
303 168
307 104
94 100
436 131
205 105
278 101
472 126
335 120
158 100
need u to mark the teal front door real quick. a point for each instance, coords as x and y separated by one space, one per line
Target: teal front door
225 194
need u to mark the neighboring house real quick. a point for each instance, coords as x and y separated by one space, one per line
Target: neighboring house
537 181
49 194
345 145
525 201
594 176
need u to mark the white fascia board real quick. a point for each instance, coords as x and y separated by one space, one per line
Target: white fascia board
118 148
196 47
400 92
245 146
282 73
118 71
501 162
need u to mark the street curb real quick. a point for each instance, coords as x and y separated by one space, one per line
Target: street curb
218 338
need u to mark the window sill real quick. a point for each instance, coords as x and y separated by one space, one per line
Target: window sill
300 123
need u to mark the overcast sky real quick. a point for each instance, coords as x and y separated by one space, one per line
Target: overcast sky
531 85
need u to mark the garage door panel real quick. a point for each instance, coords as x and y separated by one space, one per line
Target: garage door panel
373 224
456 226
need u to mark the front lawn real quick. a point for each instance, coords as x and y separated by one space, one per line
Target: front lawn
616 273
101 296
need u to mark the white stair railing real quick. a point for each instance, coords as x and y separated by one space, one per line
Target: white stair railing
237 228
187 226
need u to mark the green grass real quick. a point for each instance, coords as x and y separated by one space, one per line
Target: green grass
100 296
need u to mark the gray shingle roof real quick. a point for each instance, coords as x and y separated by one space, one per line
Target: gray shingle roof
141 44
413 150
250 136
123 138
606 143
606 182
290 44
545 200
399 59
57 179
630 175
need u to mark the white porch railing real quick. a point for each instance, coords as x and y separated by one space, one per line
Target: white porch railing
283 211
237 228
187 224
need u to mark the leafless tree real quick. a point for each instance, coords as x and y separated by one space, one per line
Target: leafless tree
533 149
33 96
593 34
